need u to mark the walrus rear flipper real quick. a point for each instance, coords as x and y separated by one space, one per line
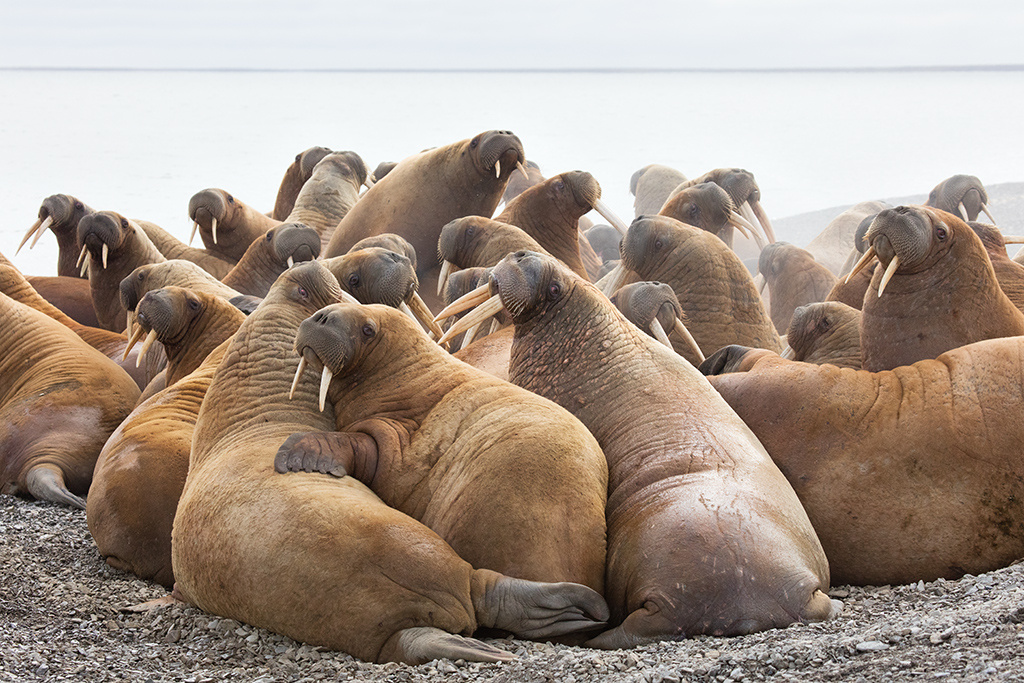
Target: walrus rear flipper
724 360
421 644
46 482
530 609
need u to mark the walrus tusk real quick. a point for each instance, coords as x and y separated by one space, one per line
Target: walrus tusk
31 231
298 373
495 326
869 254
788 353
404 308
760 282
370 181
465 302
470 335
195 226
1013 239
47 223
81 255
325 381
348 298
150 338
213 229
487 309
128 325
106 253
742 224
983 208
291 262
132 339
887 275
659 333
762 219
423 314
963 212
680 329
85 268
522 169
497 168
447 268
614 279
610 216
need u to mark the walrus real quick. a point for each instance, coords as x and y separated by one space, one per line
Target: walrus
519 183
654 308
934 289
651 186
709 207
141 470
511 481
713 286
226 224
1009 273
116 246
426 191
295 176
825 332
60 213
705 535
478 242
173 248
61 399
909 474
331 191
961 195
267 257
72 295
177 273
794 278
321 559
745 194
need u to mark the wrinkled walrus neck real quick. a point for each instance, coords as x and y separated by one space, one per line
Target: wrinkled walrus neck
217 323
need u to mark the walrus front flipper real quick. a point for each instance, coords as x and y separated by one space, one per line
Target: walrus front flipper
421 644
724 360
531 609
334 453
46 482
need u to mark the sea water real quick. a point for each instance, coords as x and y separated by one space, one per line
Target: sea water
143 142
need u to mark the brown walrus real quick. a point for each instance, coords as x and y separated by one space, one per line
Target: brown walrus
141 470
961 195
426 191
331 191
933 290
651 186
226 224
295 176
825 332
61 399
794 278
72 295
709 207
704 533
908 474
1009 273
510 480
745 194
60 213
267 257
322 559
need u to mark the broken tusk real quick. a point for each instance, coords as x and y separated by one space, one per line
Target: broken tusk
291 262
610 216
150 338
465 302
487 309
887 275
298 373
860 265
325 382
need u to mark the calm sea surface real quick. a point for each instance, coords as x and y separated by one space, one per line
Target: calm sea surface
142 143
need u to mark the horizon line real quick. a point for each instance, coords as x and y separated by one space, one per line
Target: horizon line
604 70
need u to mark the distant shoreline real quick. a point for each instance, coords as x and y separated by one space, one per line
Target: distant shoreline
637 70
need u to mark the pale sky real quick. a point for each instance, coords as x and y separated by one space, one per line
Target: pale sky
340 34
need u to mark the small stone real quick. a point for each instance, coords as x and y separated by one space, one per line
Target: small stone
871 646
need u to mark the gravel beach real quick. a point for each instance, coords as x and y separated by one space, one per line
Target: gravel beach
63 618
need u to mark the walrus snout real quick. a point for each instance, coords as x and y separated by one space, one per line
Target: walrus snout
903 232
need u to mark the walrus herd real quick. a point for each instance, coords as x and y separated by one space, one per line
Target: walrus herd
409 407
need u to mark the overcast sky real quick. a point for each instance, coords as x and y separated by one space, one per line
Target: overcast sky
339 34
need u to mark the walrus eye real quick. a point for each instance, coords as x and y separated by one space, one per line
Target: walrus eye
658 244
826 323
231 200
124 223
193 304
554 291
470 230
694 210
940 232
270 235
474 142
303 293
353 280
142 276
368 331
79 206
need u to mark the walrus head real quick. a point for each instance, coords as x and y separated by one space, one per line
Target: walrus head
308 160
60 213
743 191
497 153
390 241
475 241
960 195
291 243
823 325
605 241
653 307
209 207
709 207
103 233
348 165
176 272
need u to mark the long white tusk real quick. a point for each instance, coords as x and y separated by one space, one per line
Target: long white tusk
788 353
659 333
680 329
887 275
465 302
1013 239
963 212
85 268
42 228
522 169
860 265
325 381
762 219
404 308
298 373
983 208
132 340
31 231
497 168
106 253
291 262
614 279
447 268
128 326
213 229
422 313
81 256
488 308
495 326
348 298
610 216
150 338
742 224
195 226
470 335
